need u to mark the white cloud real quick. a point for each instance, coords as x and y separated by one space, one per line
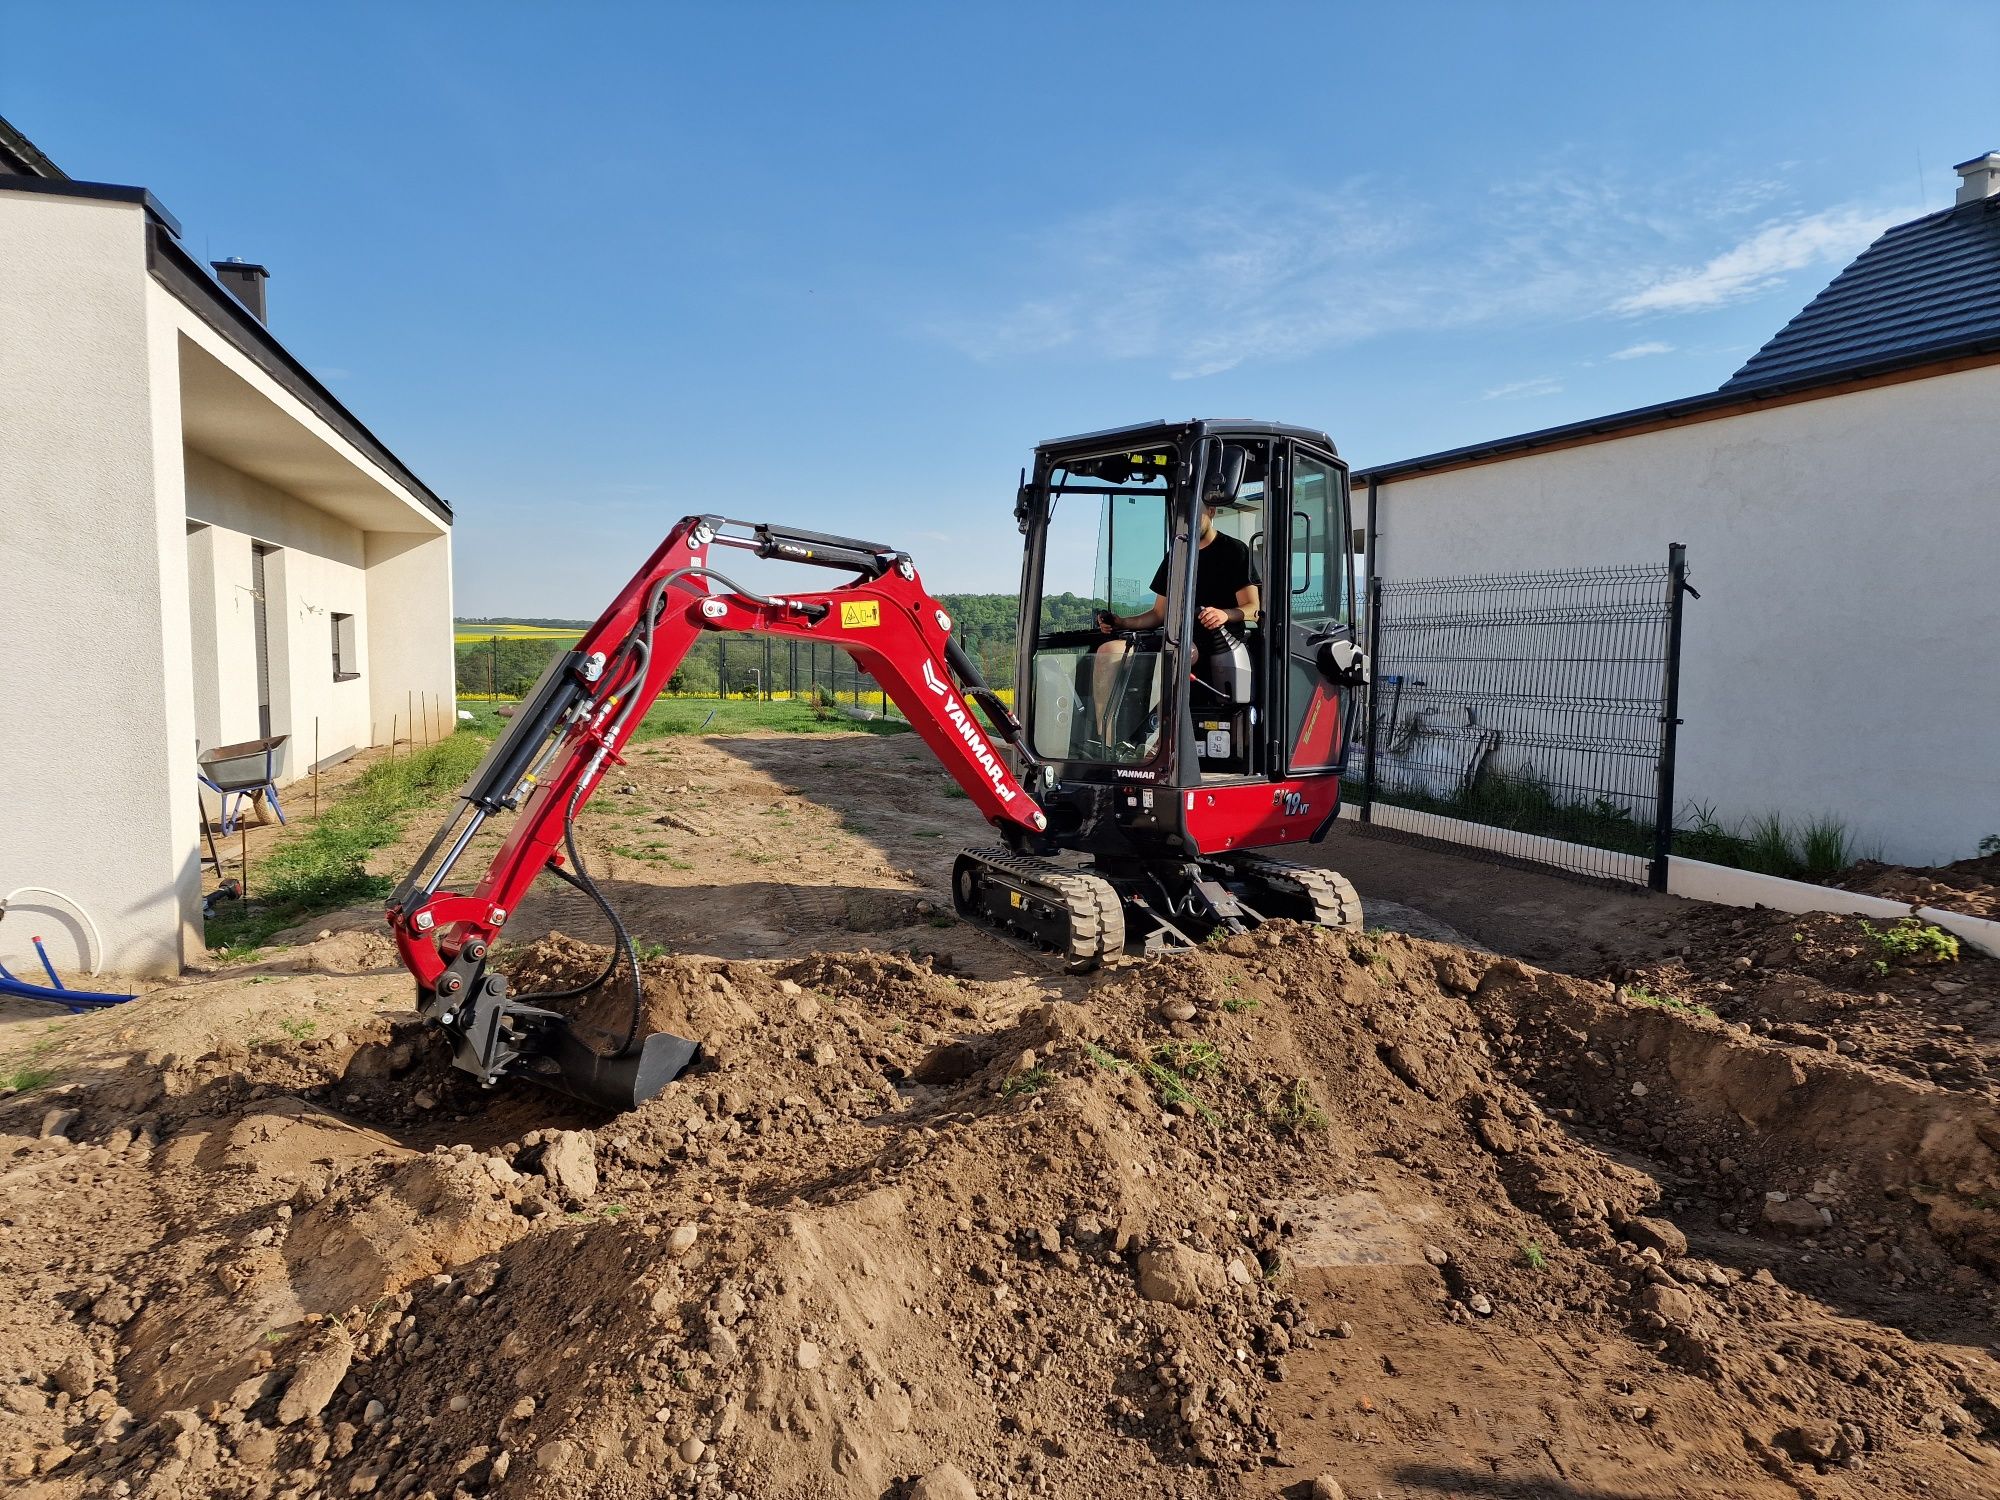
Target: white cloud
1760 262
1204 276
1541 385
1640 351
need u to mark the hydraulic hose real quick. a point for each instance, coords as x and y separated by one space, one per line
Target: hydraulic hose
638 648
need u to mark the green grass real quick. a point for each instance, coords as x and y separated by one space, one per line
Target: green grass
1814 850
1194 1060
325 868
672 716
1533 1257
1111 1062
1237 1004
1027 1081
1639 995
1910 941
21 1080
1296 1111
1175 1067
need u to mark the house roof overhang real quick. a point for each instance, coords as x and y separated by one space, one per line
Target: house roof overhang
192 285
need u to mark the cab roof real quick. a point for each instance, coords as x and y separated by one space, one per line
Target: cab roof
1143 434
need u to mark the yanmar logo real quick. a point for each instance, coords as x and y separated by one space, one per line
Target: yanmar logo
1138 775
956 715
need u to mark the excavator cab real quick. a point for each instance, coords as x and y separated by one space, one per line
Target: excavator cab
1250 718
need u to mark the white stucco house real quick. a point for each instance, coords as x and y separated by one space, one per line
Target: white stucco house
1840 501
201 545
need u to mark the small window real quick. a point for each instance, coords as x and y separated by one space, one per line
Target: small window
346 664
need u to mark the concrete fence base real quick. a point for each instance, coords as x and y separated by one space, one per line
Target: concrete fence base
1695 879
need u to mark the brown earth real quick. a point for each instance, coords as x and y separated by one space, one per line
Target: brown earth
1967 885
1422 1218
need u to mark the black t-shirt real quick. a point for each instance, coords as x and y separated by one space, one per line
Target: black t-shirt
1221 570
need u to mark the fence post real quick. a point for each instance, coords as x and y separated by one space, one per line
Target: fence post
1374 676
1670 720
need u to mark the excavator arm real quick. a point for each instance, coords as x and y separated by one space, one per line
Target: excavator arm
577 723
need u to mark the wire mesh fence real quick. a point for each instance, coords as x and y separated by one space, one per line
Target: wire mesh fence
1530 715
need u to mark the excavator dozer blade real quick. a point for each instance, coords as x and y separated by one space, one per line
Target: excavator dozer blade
614 1083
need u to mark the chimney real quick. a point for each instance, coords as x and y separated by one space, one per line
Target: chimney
246 281
1979 178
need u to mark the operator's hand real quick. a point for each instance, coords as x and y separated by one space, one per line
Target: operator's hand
1211 618
1107 622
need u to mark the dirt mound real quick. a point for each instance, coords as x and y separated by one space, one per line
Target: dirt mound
1899 995
1297 1203
1967 885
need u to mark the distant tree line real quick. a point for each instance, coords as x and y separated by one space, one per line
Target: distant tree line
509 666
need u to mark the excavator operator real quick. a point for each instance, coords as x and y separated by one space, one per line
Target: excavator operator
1226 595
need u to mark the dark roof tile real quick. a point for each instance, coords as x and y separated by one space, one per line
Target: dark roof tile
1930 284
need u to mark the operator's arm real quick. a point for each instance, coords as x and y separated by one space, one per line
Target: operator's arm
1146 619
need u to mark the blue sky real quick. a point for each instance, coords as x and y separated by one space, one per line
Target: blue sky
589 267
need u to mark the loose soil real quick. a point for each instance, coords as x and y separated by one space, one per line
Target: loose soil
932 1219
1967 885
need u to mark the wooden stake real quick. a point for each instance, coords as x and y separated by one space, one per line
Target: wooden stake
392 736
410 703
243 829
315 768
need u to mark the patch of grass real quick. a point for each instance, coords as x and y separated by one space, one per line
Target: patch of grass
1523 802
325 867
1296 1111
943 919
649 951
1238 1004
1027 1081
953 789
1910 941
22 1080
298 1030
1640 995
672 716
1532 1256
1825 847
1108 1060
1174 1067
1193 1060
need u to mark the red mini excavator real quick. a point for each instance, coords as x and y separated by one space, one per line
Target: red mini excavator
1186 660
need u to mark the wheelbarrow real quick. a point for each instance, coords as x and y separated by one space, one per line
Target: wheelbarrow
243 774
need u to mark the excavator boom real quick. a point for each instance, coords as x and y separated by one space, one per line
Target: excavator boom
578 722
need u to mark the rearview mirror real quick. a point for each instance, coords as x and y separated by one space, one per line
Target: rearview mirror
1225 474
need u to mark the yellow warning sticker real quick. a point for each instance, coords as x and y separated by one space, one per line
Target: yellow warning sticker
1014 898
859 613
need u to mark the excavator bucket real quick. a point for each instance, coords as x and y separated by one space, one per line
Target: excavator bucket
494 1037
616 1083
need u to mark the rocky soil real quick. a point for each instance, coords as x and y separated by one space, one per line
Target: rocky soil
1371 1207
1300 1214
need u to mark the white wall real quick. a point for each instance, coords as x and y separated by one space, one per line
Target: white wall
224 658
1841 658
408 631
316 573
98 758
